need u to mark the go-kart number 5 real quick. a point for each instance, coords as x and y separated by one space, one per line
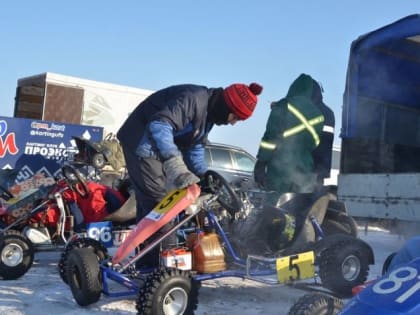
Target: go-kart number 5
166 204
394 281
295 267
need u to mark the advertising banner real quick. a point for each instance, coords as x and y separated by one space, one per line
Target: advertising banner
37 147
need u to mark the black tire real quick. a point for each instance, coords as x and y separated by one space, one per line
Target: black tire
343 265
340 223
16 255
100 251
84 276
169 291
98 161
315 303
387 262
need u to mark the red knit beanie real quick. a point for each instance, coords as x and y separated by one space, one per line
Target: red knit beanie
242 99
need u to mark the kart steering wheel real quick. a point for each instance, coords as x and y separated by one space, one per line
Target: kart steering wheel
215 183
75 180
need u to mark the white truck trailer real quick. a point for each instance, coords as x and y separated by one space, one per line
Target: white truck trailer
55 97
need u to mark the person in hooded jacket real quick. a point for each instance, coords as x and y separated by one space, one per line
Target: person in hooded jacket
163 138
285 161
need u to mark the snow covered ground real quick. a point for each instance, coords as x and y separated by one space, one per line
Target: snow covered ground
41 290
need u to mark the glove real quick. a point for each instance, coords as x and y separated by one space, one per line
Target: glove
177 174
260 173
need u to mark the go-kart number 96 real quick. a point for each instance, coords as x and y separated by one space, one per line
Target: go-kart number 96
394 281
102 234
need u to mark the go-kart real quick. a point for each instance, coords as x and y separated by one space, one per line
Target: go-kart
214 244
41 220
395 292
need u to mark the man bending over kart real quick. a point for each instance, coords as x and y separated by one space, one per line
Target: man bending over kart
163 138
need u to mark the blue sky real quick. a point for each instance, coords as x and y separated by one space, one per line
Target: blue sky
154 44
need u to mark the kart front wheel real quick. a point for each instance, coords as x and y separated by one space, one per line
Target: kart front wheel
84 276
85 242
315 303
168 291
16 255
344 265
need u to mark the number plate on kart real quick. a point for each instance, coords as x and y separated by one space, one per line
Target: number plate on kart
100 231
166 204
295 267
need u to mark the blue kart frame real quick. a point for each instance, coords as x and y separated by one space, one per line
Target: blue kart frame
333 255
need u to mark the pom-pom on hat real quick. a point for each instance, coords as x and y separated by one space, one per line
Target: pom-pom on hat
242 99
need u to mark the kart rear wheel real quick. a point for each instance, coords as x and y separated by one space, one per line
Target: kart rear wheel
16 255
344 265
84 276
85 242
315 303
167 292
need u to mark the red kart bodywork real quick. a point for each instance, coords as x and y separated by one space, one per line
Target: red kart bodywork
173 204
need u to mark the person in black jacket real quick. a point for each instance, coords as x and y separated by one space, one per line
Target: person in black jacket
163 138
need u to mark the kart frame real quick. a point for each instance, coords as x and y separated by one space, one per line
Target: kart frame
252 267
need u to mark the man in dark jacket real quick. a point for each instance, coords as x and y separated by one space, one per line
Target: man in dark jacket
163 138
295 150
285 162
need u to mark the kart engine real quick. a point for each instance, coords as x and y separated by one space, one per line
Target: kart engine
255 229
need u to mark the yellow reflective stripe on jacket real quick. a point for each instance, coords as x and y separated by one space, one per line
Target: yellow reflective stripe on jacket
301 127
267 145
305 124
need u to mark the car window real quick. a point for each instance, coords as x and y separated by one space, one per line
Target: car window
221 158
243 162
207 157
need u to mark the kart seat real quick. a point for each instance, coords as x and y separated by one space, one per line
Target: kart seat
304 229
125 213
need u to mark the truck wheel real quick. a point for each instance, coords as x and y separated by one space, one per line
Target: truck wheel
98 161
16 254
315 303
340 223
168 291
84 276
343 265
85 242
